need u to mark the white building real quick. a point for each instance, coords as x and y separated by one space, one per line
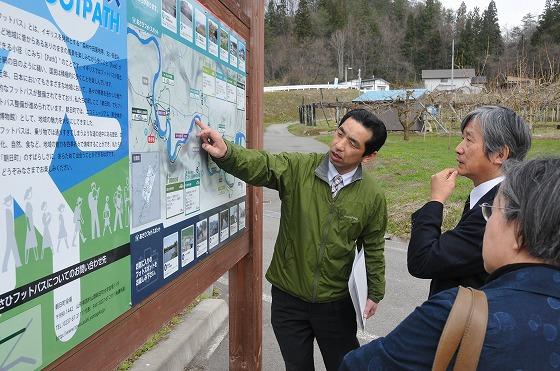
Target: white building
374 84
441 80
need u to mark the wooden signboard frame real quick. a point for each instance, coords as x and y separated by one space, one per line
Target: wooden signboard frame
242 257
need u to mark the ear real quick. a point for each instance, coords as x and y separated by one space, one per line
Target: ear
369 157
501 156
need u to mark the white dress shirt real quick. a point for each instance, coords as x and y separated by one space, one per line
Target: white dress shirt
483 188
346 178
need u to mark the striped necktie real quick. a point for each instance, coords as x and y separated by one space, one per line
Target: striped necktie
336 184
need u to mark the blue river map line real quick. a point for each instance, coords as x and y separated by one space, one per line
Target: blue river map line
165 134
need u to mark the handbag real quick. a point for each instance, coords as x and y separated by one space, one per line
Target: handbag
465 328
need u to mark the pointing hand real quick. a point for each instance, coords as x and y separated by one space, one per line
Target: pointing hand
212 141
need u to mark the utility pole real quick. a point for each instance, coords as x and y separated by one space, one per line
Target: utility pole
452 63
359 78
346 74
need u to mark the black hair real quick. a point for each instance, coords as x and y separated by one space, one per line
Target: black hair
373 124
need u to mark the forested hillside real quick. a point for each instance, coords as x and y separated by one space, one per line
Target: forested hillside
314 41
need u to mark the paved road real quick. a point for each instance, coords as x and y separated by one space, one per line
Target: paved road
403 292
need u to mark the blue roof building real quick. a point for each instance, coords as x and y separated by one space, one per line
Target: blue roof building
389 95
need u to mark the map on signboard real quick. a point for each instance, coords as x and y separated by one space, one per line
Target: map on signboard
171 85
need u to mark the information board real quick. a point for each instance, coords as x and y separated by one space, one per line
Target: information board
183 65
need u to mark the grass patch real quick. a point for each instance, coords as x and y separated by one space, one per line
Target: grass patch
282 106
404 170
164 331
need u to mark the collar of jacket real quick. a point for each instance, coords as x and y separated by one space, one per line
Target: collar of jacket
513 267
322 171
539 278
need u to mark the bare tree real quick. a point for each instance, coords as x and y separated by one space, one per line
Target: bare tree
338 42
407 111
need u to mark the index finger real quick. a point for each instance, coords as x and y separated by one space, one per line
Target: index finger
200 124
447 172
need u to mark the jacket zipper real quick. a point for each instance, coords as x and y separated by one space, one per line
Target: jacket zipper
322 250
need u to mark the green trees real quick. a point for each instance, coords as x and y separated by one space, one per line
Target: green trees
490 36
303 28
317 40
548 28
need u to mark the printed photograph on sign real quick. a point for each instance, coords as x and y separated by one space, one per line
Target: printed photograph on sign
233 220
213 37
233 51
201 237
145 175
241 215
169 14
242 56
213 231
224 42
200 28
224 225
186 20
187 245
170 254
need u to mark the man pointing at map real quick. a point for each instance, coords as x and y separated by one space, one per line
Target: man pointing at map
329 205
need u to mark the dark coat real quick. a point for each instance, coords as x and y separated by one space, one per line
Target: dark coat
452 258
523 330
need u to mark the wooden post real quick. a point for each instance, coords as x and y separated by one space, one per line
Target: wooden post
314 122
245 278
337 114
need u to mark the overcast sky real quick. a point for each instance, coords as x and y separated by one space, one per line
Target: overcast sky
510 12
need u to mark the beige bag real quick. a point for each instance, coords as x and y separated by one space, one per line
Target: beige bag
466 325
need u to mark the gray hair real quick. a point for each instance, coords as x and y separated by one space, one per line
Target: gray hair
501 127
531 191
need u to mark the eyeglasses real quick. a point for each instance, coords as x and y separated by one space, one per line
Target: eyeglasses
487 210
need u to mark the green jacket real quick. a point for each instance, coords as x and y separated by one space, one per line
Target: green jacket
314 250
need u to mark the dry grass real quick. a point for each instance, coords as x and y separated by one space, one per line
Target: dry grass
282 107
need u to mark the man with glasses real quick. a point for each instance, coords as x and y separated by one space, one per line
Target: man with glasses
491 135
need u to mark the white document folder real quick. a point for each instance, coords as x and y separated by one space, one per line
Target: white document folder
357 285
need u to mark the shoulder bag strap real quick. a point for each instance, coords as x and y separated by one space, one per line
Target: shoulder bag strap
475 332
453 330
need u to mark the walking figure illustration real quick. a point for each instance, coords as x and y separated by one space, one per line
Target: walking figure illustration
11 243
78 221
30 236
47 239
106 216
62 234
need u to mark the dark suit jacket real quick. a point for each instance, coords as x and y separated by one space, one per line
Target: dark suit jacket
453 258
